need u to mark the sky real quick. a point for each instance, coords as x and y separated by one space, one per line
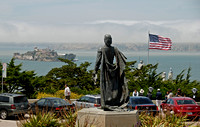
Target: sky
83 21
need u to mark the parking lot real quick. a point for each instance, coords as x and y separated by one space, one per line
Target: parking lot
10 122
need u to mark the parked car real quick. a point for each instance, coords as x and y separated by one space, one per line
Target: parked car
142 104
88 101
52 104
13 104
182 106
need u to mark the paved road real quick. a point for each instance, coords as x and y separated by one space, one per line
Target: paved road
8 123
11 121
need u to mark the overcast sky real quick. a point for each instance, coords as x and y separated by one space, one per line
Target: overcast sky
88 20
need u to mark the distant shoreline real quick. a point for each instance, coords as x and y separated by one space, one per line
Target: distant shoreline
138 47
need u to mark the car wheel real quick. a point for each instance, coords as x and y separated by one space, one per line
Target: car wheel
3 114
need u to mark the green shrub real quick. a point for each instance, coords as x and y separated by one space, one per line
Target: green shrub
59 94
47 119
162 121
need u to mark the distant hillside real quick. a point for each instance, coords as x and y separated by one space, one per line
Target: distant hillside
182 47
179 47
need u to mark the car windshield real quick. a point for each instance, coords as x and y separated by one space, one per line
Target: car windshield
182 102
141 101
20 99
59 102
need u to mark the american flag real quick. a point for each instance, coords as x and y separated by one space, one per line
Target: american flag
158 42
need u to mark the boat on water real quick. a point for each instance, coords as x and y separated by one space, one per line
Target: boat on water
47 55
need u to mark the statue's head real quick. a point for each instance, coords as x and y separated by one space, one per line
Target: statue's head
108 39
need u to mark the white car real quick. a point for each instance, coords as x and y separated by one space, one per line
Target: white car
88 101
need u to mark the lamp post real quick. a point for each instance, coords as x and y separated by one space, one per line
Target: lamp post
149 93
194 90
4 73
150 89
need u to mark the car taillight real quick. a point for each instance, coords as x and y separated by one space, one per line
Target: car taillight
59 108
97 105
135 107
13 106
157 108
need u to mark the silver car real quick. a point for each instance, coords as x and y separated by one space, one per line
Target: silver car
13 104
88 101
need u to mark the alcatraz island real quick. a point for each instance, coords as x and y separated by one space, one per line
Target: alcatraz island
47 55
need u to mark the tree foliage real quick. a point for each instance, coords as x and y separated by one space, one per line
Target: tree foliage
78 78
19 81
148 77
80 81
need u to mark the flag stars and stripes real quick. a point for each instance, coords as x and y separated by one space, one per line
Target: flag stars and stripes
159 42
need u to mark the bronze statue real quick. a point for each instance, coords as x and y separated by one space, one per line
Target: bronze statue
113 85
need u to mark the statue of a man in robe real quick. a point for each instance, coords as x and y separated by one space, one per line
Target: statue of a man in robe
113 85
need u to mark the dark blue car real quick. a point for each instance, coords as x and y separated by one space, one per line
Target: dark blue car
142 104
56 105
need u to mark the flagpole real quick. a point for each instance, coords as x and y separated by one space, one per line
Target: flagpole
148 49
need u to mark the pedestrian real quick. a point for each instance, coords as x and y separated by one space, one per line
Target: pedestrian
170 94
141 92
149 95
158 98
179 93
67 93
135 93
167 93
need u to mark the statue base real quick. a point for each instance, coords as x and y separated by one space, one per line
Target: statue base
94 117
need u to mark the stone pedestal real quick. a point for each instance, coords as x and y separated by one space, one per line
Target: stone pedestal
94 117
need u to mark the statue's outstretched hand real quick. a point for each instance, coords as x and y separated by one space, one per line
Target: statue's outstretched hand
94 75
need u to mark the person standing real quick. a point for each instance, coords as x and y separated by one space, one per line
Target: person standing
135 93
179 93
141 92
158 98
149 95
67 93
170 94
166 95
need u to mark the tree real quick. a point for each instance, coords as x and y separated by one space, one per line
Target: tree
12 81
142 78
77 77
17 81
148 77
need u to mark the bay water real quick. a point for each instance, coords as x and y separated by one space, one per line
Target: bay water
178 61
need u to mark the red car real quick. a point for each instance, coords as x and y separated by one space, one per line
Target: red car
182 106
